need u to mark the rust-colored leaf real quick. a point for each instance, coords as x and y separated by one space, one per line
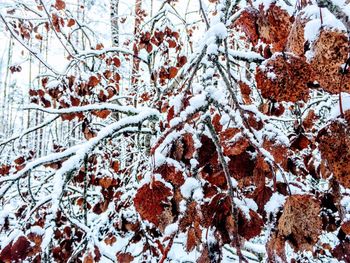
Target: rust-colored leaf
172 72
71 22
93 81
300 223
60 4
151 201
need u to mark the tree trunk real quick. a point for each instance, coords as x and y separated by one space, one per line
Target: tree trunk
114 22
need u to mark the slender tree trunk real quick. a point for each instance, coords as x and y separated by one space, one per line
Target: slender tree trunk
5 105
136 62
114 22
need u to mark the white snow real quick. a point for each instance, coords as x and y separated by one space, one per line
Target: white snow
275 203
189 186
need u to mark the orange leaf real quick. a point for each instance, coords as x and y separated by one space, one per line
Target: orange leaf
103 114
115 166
172 72
71 22
105 182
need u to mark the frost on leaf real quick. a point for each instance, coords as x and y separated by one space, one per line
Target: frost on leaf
152 203
334 144
247 22
170 174
183 148
274 26
330 51
341 252
271 26
261 196
284 77
300 223
17 251
233 146
249 228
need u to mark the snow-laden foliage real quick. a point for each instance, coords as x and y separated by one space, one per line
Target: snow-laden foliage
207 131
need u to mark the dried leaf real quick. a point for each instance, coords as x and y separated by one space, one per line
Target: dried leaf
300 222
151 201
285 78
60 4
172 72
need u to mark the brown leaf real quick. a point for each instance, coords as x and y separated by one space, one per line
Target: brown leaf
170 174
285 78
71 22
151 201
115 166
330 52
274 25
341 251
60 4
56 22
300 223
346 227
181 61
110 240
247 21
189 148
276 248
87 131
4 169
334 144
93 81
249 228
116 62
261 196
125 258
299 142
192 239
309 120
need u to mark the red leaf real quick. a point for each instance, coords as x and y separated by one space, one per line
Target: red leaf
19 160
261 196
93 81
181 61
249 228
170 174
71 22
20 249
4 169
5 254
151 200
116 62
60 4
171 114
115 166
